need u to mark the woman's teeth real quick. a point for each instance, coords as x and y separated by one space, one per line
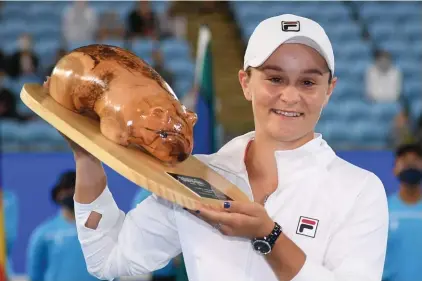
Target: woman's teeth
286 113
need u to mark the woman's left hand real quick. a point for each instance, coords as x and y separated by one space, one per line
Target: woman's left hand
240 219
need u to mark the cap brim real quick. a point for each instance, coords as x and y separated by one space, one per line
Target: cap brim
258 61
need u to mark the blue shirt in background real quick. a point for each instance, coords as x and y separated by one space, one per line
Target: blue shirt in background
404 248
11 208
169 269
55 254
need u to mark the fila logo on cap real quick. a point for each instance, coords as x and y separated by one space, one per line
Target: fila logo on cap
293 26
307 227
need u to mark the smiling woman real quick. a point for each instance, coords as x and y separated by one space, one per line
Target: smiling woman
288 92
312 215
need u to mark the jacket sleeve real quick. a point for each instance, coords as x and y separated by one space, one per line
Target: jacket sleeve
357 250
37 256
142 241
11 210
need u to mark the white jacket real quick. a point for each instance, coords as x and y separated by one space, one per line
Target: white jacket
341 210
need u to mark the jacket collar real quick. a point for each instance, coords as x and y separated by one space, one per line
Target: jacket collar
316 152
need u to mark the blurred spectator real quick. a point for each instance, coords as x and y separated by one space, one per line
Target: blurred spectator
110 26
402 128
80 22
60 53
418 130
8 103
24 61
404 247
175 270
383 79
54 252
142 21
11 214
158 64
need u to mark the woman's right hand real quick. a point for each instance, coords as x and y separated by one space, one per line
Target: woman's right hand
78 151
90 175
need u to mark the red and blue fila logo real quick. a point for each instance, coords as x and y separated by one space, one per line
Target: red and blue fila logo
290 26
307 227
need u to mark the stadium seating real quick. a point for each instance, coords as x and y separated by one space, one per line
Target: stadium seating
349 120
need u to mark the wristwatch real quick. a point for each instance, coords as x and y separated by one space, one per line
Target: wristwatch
264 245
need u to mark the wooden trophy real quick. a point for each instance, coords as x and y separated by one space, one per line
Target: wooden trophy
114 105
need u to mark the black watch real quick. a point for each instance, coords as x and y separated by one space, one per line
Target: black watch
264 245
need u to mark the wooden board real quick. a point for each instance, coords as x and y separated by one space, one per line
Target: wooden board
134 164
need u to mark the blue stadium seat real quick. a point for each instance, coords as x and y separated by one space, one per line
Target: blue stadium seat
10 132
372 134
23 109
382 31
336 132
384 112
354 110
182 69
330 112
142 47
182 86
416 109
75 45
352 50
39 131
413 89
46 50
345 90
114 42
172 48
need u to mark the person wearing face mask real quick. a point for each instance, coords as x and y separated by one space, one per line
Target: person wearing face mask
404 248
54 252
383 79
24 61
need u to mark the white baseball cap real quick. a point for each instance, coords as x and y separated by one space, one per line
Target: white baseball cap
284 29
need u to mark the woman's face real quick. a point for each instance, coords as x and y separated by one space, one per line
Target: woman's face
288 92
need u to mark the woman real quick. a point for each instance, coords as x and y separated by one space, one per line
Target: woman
312 215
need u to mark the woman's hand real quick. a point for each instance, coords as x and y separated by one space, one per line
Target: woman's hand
249 220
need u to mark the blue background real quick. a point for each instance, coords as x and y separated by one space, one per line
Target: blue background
31 176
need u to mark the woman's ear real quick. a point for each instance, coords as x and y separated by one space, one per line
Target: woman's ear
330 90
244 83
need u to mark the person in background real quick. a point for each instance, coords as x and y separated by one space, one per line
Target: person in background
383 79
142 21
54 252
8 102
175 270
110 26
24 61
402 128
404 246
80 23
158 64
11 215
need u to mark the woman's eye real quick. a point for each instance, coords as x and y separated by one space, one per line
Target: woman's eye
308 83
275 79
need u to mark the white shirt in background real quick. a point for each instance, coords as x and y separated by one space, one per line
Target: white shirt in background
79 24
383 86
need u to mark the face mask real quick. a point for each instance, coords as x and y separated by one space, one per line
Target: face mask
68 203
410 176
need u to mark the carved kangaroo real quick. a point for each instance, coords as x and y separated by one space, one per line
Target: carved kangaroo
132 102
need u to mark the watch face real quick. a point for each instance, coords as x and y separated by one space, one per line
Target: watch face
262 247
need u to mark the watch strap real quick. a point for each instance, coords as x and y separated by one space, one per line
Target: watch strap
272 237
